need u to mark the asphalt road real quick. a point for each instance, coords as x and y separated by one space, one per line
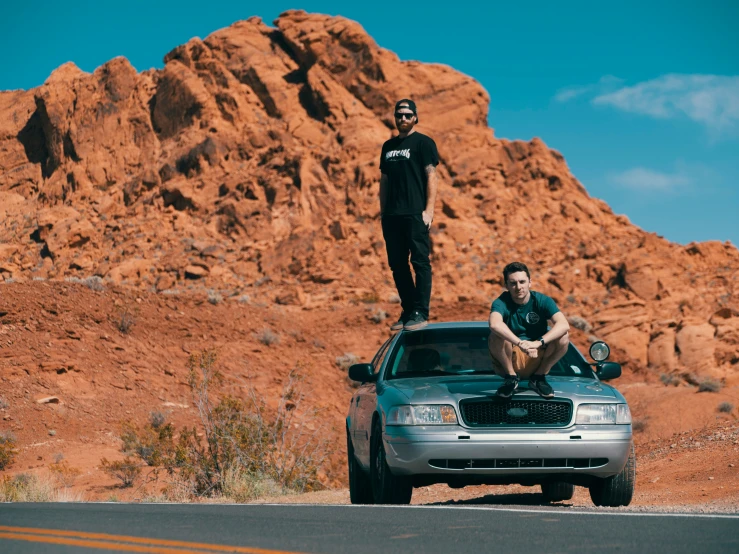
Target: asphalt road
272 529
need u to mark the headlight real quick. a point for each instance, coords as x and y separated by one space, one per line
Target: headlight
421 415
595 414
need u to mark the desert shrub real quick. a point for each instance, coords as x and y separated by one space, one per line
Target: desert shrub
378 315
154 444
346 360
125 320
64 474
238 450
639 425
580 323
709 385
725 407
25 487
94 283
7 450
669 379
243 299
214 297
126 470
3 403
370 297
268 337
157 419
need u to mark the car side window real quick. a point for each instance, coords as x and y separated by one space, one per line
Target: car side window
380 356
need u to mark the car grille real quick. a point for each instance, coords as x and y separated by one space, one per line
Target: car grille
516 413
520 463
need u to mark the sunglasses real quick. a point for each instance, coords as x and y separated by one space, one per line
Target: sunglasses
408 116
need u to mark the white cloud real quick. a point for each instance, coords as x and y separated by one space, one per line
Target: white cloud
643 179
712 100
605 84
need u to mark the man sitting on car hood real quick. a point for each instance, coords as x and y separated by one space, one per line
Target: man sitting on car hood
519 342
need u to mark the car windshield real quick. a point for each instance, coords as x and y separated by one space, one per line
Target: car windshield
462 351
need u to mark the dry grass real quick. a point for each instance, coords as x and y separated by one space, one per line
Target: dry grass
32 488
725 407
709 385
346 360
670 379
378 315
125 320
7 450
268 337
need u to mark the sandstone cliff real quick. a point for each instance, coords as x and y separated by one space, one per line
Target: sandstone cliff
249 165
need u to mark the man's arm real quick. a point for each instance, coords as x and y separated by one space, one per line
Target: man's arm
383 193
558 330
432 184
498 326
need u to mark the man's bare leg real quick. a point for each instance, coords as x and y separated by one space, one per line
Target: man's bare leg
552 354
502 352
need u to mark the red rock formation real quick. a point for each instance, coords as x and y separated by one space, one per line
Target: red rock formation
249 165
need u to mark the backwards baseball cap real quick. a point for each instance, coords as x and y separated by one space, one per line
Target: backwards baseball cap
408 104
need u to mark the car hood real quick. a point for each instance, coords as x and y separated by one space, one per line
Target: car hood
453 389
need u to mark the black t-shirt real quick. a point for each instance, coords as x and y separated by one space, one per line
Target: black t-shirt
404 160
527 321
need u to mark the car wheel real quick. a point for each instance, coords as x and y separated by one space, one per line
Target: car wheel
617 490
386 487
360 488
554 492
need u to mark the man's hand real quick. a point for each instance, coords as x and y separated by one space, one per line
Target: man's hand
427 217
529 348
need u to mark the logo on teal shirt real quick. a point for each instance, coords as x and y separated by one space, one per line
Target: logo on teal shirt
532 318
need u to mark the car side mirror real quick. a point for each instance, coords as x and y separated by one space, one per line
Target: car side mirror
361 372
608 370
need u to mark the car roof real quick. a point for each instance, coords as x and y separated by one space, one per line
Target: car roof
445 325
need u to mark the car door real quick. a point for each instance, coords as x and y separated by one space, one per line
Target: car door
364 406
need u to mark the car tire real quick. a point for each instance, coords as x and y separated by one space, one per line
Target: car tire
386 487
360 487
619 489
557 491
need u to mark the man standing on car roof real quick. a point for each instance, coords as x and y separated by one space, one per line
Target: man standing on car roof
519 342
408 184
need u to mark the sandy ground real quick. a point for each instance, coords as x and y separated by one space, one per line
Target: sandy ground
62 340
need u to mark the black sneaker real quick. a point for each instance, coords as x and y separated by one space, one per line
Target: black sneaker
508 387
415 321
398 325
539 385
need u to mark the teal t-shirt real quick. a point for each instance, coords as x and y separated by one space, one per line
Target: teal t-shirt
527 321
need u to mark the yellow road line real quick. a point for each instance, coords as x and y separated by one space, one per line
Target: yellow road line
117 542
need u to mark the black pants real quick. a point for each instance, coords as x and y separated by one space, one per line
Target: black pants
404 235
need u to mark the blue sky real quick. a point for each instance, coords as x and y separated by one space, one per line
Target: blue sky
642 98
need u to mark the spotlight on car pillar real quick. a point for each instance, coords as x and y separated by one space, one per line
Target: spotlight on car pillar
599 351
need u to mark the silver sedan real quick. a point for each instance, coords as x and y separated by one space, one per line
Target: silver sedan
426 412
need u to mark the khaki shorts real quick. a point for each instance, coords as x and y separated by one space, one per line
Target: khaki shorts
523 364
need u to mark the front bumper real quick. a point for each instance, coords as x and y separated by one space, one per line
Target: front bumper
414 450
